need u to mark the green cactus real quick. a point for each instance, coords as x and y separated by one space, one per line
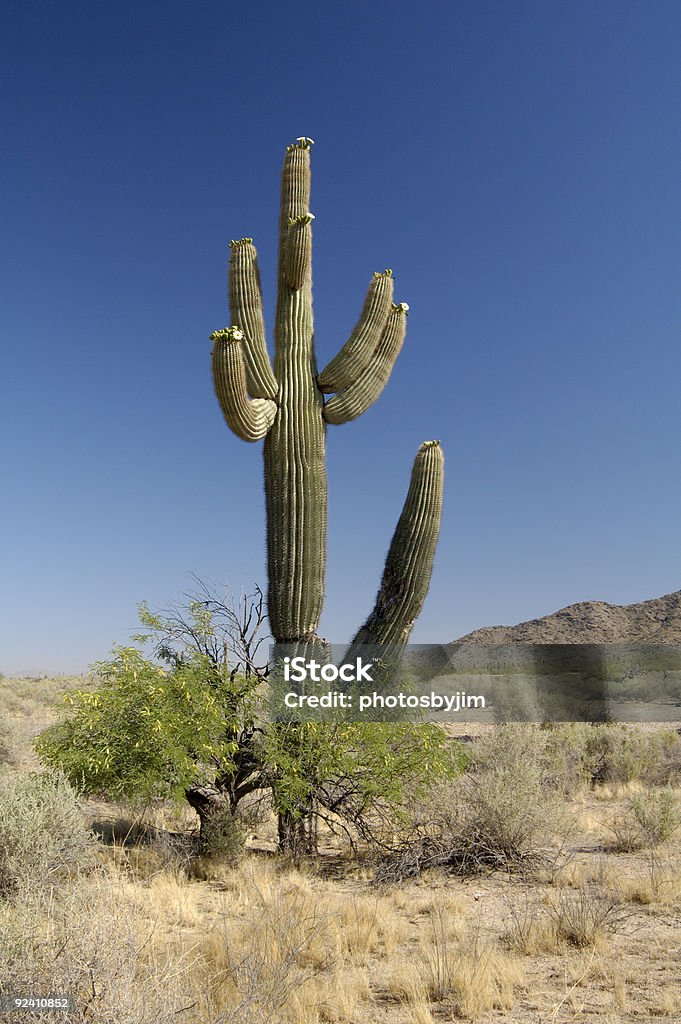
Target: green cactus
406 576
286 406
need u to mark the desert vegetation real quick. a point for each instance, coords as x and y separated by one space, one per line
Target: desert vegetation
189 721
540 882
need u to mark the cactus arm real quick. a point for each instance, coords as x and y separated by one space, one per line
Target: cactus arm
354 400
298 250
295 459
245 304
409 565
250 419
355 355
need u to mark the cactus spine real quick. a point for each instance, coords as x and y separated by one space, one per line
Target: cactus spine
286 406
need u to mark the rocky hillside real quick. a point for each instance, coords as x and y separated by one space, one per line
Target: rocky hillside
656 621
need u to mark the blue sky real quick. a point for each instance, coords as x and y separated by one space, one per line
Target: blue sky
517 163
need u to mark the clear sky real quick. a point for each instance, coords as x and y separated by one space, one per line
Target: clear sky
518 164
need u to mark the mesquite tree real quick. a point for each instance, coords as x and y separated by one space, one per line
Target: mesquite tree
287 405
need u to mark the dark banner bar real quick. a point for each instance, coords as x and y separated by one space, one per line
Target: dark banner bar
477 683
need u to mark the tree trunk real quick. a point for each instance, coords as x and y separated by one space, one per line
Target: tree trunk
218 831
297 833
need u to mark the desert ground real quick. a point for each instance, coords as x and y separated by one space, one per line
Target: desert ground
585 925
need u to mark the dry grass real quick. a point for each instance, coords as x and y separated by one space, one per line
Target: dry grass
658 884
268 944
36 697
470 974
272 954
586 916
531 930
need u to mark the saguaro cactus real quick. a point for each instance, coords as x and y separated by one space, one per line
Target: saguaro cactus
286 405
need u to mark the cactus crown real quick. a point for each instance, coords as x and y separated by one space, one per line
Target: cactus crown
229 334
385 273
302 143
399 307
304 218
240 241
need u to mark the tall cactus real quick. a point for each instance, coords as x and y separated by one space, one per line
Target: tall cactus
286 406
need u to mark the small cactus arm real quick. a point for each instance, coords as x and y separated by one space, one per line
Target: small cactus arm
285 404
354 357
245 304
250 419
357 397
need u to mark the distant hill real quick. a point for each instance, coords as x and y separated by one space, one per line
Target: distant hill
657 621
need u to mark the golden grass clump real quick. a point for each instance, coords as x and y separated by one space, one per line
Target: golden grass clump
470 974
531 931
586 916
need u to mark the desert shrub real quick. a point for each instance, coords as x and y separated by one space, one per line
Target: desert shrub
615 754
530 930
621 753
556 753
563 757
649 819
42 832
508 813
664 758
506 745
499 814
555 750
576 754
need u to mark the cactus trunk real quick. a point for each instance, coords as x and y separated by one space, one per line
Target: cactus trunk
295 447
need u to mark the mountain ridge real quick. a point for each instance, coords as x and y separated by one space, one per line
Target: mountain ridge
657 620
